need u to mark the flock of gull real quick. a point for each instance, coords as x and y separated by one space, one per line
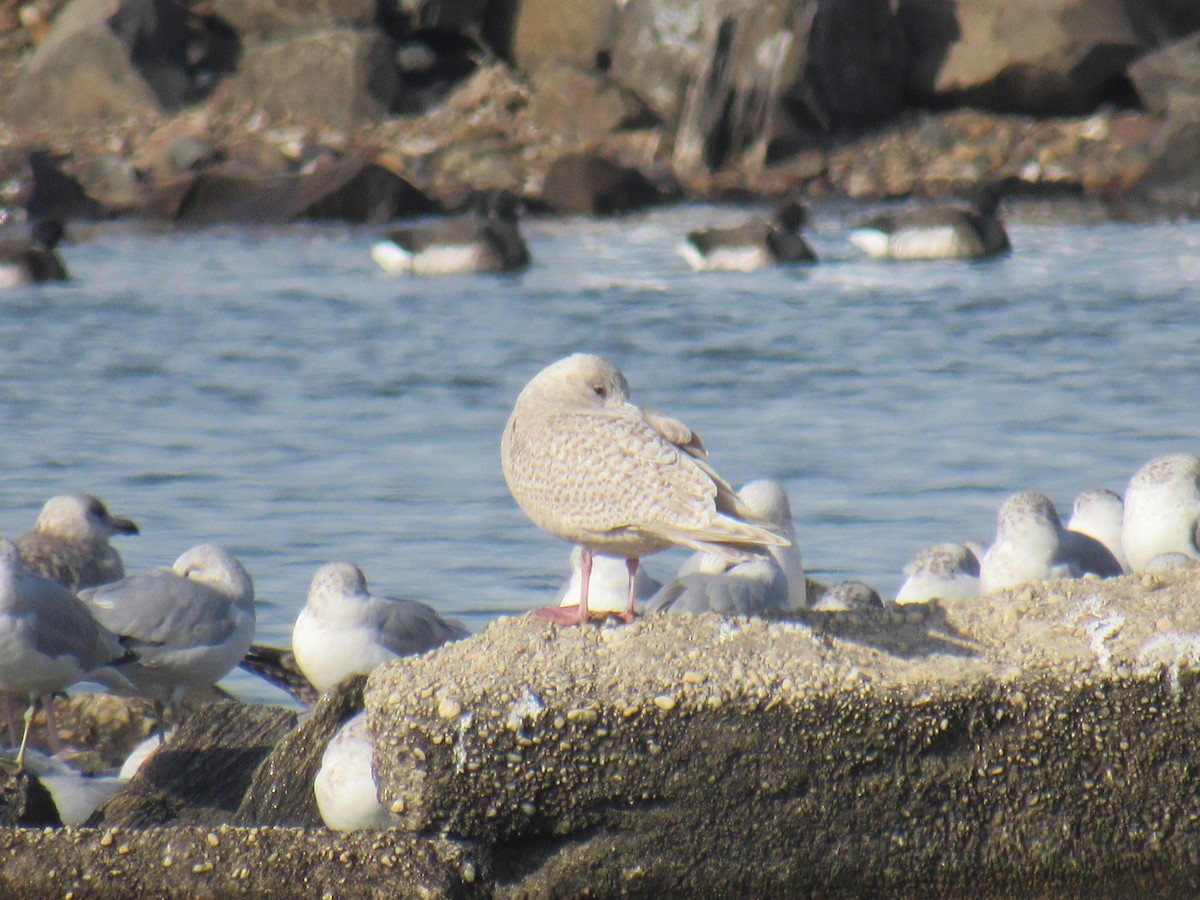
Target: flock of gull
617 481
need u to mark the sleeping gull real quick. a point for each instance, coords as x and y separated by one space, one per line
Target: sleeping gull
189 625
753 587
608 586
344 787
1031 545
848 596
1162 510
48 639
590 467
940 572
69 542
1098 513
343 630
750 587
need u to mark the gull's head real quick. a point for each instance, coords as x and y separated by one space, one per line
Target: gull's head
579 380
212 566
1025 514
337 579
80 517
768 499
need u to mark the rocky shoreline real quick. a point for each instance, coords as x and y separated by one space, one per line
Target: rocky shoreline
1032 743
194 113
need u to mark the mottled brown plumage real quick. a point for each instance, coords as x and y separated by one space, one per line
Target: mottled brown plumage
587 465
69 542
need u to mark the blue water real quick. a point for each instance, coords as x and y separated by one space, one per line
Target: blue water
272 392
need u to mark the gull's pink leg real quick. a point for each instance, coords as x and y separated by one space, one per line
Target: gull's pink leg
51 724
632 565
572 615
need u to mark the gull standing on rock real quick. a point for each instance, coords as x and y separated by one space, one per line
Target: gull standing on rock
343 630
940 572
608 586
69 542
1032 545
48 639
590 467
1162 510
189 625
1098 513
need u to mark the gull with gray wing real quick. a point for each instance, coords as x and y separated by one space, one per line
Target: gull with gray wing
343 630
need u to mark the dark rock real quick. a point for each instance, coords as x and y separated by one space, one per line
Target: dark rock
354 190
25 802
338 77
979 747
727 84
1168 74
589 184
431 62
180 55
1063 57
282 790
582 107
201 775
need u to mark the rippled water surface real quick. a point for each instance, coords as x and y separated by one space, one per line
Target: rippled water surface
271 391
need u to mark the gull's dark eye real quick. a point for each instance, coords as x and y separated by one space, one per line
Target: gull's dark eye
601 390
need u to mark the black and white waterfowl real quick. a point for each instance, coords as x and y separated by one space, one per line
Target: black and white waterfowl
490 242
751 245
937 232
31 260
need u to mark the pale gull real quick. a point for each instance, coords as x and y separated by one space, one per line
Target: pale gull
189 625
1162 510
345 789
608 587
74 793
944 571
69 542
1098 513
590 467
1031 545
48 638
343 630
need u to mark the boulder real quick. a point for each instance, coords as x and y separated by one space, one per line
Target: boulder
1062 57
1038 742
728 84
336 78
264 20
281 792
564 31
591 184
201 774
106 62
1170 182
1165 76
581 107
81 72
25 802
356 189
